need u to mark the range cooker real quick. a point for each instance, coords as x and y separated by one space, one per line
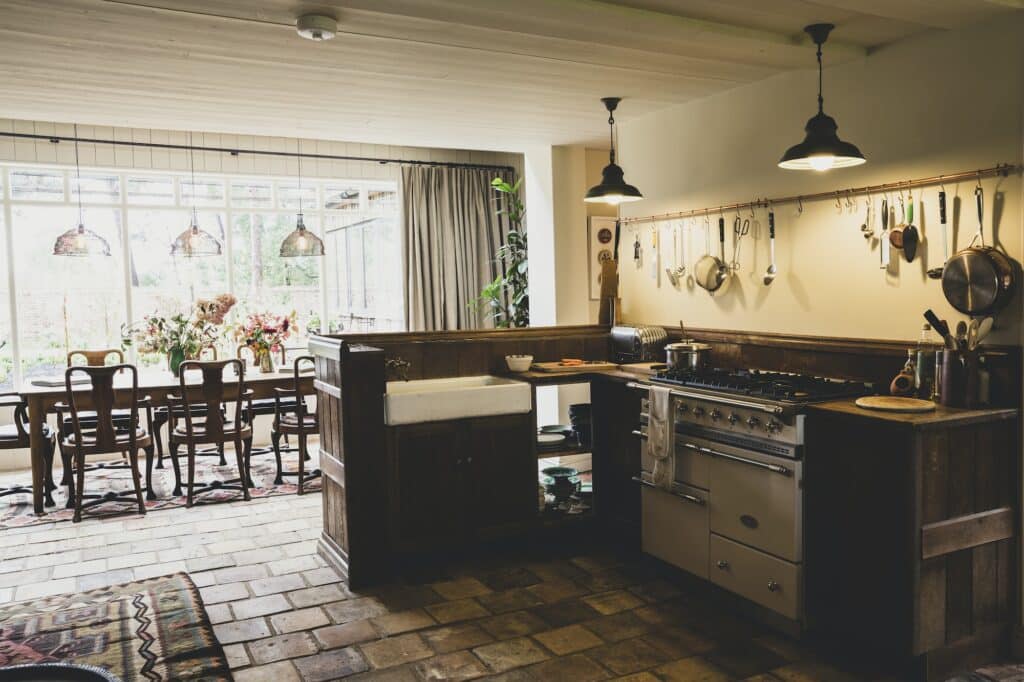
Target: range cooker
733 510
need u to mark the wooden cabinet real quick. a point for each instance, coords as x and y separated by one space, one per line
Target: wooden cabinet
616 414
455 481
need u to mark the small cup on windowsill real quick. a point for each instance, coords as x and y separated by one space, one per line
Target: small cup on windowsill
519 363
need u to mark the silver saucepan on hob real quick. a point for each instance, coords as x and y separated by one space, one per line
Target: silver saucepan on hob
687 355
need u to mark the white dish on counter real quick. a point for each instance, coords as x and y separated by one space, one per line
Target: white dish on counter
431 400
519 363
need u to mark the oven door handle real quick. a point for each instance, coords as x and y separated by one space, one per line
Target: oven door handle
692 499
776 468
723 400
638 432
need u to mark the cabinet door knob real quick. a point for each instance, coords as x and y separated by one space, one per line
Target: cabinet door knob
722 564
773 586
469 460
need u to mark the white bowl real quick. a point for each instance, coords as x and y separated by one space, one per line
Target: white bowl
519 363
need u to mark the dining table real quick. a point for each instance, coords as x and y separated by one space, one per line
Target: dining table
156 384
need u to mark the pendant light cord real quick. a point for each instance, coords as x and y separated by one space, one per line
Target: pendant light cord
192 165
298 155
78 180
821 100
611 136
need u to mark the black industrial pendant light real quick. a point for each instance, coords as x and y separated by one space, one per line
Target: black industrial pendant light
79 241
300 241
194 242
821 149
613 188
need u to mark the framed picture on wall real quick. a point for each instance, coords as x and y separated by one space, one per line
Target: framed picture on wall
600 247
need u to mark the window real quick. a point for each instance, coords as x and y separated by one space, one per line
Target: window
64 304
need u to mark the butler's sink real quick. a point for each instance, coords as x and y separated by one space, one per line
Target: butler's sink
431 400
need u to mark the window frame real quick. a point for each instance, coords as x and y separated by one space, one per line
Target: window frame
179 178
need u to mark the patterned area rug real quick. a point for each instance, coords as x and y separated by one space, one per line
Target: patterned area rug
154 629
16 510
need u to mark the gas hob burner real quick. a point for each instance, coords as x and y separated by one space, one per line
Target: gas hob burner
780 386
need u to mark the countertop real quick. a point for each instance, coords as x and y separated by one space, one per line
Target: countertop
941 417
639 371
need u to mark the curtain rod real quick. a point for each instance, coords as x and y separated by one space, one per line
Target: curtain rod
55 139
799 199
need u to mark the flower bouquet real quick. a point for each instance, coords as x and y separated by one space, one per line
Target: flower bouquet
264 334
180 337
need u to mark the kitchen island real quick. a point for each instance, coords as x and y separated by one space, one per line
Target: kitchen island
908 577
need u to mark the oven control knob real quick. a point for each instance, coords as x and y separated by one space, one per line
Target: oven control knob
698 411
682 408
733 417
715 415
773 426
753 422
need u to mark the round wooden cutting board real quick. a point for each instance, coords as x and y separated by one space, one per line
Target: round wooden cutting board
888 403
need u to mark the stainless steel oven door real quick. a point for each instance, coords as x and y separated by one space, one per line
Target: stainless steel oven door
674 526
754 498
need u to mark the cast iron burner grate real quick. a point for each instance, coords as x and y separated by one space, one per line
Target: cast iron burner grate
768 385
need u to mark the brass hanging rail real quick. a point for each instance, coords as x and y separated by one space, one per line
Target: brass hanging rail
1002 169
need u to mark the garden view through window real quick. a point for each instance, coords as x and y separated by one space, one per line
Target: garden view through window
55 304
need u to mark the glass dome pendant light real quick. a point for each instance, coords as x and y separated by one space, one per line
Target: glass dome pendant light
194 242
821 149
613 188
79 241
300 241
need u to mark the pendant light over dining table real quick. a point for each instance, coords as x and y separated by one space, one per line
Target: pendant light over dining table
821 149
613 189
194 242
300 241
79 241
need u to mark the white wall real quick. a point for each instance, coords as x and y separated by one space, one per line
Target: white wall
943 102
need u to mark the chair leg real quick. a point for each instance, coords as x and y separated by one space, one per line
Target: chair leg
302 461
69 477
243 468
191 473
48 486
133 462
158 439
220 451
177 468
248 460
80 487
150 493
275 441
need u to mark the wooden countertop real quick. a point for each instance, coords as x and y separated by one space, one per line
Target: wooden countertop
941 417
640 371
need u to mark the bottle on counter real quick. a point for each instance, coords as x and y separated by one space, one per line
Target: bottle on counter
924 362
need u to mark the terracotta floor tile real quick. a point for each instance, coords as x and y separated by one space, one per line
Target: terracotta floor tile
568 640
629 656
618 627
463 588
403 621
392 651
608 603
513 653
330 665
693 669
508 578
299 619
454 637
282 671
510 625
281 647
565 613
509 600
460 665
334 636
551 591
577 668
453 611
355 609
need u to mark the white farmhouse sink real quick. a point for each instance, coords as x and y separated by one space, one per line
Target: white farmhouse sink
431 400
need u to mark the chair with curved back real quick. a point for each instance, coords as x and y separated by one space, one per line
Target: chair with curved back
15 437
163 415
108 435
213 427
263 407
96 358
291 418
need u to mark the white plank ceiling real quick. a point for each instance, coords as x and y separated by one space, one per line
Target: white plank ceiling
485 74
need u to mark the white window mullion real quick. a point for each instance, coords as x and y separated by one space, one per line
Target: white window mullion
12 294
126 234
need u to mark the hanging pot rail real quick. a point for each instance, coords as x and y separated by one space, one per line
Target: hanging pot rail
1002 169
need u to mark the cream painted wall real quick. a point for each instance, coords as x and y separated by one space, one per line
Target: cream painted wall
943 102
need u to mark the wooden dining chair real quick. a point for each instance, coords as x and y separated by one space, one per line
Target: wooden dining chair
262 407
108 435
213 428
291 418
163 415
15 437
96 358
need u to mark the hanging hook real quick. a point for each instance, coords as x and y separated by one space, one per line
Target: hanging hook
800 205
839 206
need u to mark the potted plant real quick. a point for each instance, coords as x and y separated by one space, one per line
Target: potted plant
507 298
180 337
264 334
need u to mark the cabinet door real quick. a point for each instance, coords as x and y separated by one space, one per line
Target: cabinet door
498 453
426 485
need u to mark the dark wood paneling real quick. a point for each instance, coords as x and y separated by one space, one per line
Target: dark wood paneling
964 532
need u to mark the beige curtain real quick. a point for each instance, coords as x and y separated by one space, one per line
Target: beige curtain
450 236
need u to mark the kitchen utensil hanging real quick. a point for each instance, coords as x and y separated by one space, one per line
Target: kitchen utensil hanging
979 280
712 272
769 276
936 273
740 228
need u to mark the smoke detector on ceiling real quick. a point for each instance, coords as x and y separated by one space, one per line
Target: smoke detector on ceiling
316 27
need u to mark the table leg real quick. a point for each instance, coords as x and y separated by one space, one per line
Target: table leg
36 417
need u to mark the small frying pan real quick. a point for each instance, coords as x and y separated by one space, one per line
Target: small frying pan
980 279
711 272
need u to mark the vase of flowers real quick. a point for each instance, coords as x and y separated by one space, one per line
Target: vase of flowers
180 337
264 334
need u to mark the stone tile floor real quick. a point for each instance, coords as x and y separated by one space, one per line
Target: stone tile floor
283 615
